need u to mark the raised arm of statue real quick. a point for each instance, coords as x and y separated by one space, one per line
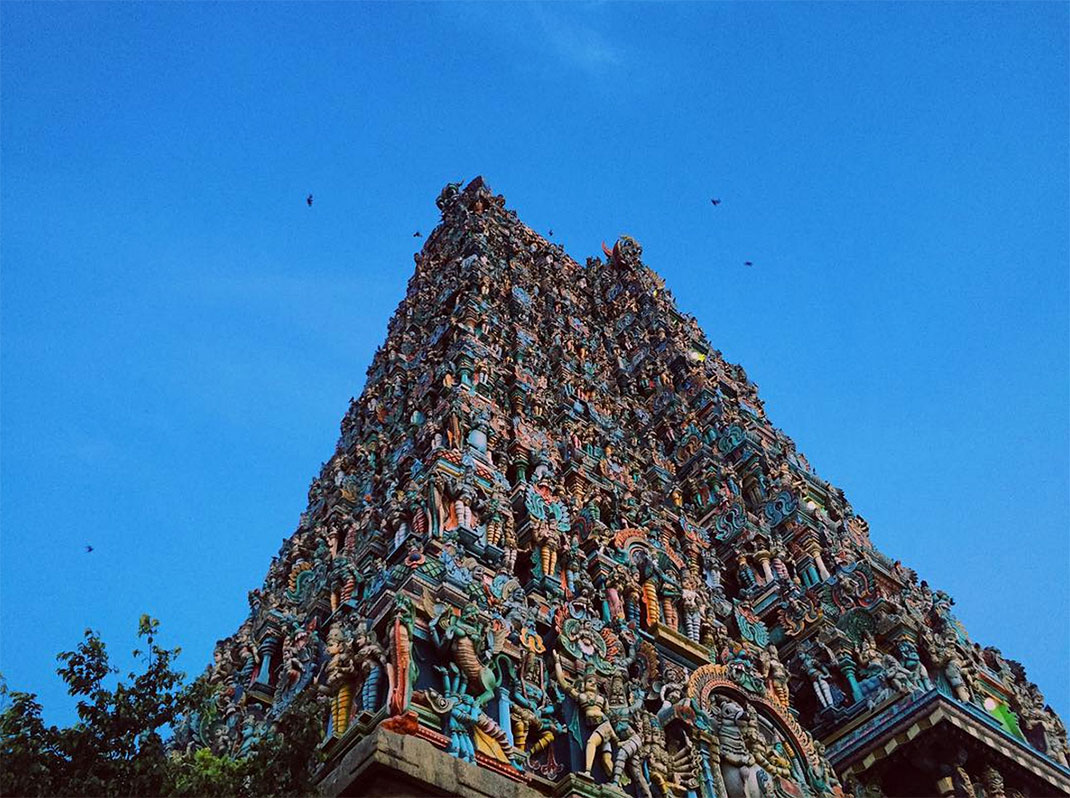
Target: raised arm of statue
570 691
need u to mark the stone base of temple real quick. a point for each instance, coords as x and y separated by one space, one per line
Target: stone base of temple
388 765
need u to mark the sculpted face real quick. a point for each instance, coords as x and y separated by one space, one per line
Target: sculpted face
731 710
585 642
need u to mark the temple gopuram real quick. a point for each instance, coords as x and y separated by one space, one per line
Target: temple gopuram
560 550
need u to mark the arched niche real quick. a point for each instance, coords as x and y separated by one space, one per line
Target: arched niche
708 689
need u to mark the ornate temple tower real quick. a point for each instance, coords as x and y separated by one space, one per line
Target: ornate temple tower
559 550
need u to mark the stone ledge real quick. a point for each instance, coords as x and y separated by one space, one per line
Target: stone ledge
389 765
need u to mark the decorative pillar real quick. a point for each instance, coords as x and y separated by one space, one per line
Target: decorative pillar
269 646
848 668
805 566
745 573
813 548
464 367
763 558
520 464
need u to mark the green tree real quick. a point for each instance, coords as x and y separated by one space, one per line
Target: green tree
29 753
285 762
117 746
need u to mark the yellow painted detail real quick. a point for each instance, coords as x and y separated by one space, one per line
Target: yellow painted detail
485 744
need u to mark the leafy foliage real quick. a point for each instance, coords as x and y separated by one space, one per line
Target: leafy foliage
117 746
29 752
203 773
283 764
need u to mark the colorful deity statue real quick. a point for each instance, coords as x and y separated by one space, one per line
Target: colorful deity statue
593 705
467 640
402 668
648 574
574 571
692 602
462 712
739 769
340 674
370 660
532 712
819 677
775 675
547 542
911 660
498 518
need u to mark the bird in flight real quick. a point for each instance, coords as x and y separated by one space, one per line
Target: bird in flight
417 234
747 263
88 549
308 199
551 232
715 202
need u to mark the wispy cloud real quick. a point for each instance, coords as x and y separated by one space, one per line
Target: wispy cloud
575 42
567 34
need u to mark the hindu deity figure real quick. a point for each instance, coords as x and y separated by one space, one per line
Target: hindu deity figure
1035 714
993 783
659 762
456 412
340 673
819 677
614 590
599 531
648 579
468 641
693 604
531 712
401 667
627 721
223 665
498 516
370 660
775 675
460 510
672 773
822 778
594 708
738 767
547 543
896 676
714 634
341 581
574 573
944 650
1055 741
632 592
742 668
911 660
462 712
670 596
868 655
780 561
296 658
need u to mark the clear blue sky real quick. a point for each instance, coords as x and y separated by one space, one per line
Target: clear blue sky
181 335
